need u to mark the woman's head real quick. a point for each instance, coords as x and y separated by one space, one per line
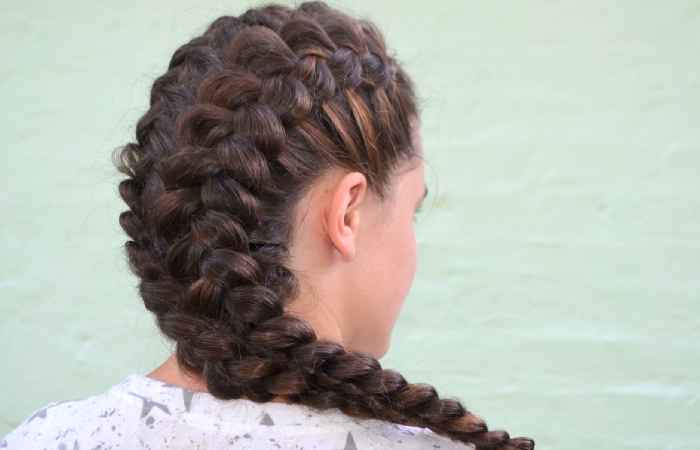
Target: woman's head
271 192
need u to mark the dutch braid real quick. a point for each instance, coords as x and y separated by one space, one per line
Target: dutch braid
245 119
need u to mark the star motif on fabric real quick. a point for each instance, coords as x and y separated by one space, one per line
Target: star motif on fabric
187 398
148 404
350 442
267 420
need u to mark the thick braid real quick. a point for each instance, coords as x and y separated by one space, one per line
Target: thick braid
247 116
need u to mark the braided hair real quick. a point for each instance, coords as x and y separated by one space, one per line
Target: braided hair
247 116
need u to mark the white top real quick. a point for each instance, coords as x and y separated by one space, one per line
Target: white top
144 413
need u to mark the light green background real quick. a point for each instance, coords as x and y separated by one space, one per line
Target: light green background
557 292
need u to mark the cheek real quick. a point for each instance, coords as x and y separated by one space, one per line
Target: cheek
408 255
403 263
386 278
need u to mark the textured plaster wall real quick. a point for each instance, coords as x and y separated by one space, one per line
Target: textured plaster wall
557 292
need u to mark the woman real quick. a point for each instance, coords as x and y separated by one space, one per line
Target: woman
271 194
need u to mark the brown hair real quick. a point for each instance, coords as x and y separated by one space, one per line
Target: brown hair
246 118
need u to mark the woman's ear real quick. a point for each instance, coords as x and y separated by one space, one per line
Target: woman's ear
342 219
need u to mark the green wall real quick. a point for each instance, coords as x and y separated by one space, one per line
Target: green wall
557 292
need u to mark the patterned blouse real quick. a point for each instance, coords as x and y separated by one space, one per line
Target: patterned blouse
144 413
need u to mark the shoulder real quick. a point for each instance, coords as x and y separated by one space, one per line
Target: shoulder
390 436
427 438
66 424
299 426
